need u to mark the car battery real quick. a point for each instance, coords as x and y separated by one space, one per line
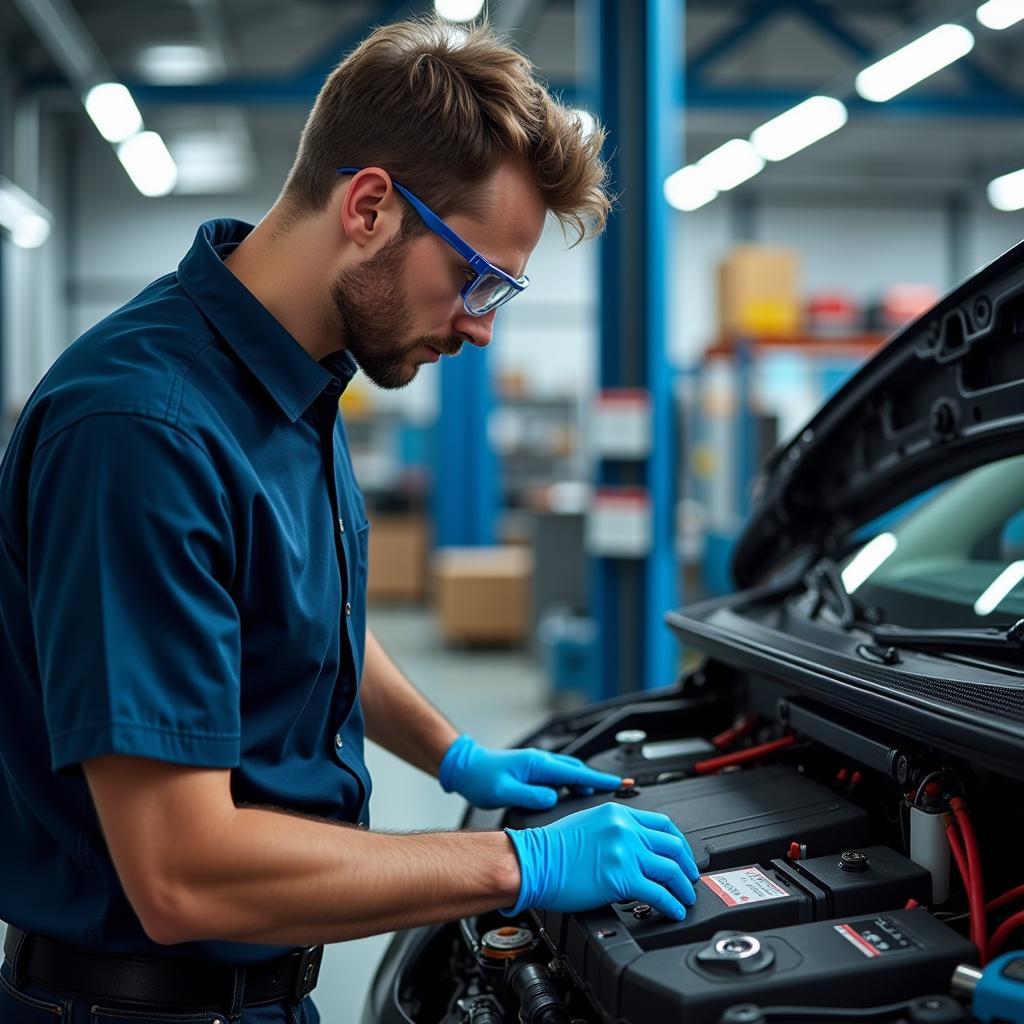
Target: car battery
851 961
730 820
774 895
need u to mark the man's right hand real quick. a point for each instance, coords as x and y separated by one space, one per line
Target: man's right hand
602 855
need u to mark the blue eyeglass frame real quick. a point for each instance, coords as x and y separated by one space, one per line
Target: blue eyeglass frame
480 265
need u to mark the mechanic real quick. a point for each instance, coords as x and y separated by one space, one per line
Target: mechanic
187 673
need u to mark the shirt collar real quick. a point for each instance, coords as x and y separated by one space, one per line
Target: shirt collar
288 372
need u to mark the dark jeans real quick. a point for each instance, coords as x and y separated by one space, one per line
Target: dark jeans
34 1005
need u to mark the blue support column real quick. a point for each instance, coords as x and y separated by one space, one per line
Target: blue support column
466 498
640 102
665 145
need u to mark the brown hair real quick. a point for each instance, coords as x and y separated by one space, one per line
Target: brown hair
440 108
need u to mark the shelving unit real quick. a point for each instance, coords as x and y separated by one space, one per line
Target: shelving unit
745 397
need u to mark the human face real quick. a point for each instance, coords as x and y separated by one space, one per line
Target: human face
402 307
376 320
490 287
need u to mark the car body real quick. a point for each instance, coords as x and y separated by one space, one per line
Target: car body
858 715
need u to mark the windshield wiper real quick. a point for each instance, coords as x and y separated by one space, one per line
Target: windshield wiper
824 578
996 636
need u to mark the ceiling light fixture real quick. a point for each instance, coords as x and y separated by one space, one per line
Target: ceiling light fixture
731 164
688 189
148 163
798 127
113 111
27 222
1007 192
1000 14
914 62
458 10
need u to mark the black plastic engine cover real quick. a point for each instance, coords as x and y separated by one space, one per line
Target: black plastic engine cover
861 961
739 817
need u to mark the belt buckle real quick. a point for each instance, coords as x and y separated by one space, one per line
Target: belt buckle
308 972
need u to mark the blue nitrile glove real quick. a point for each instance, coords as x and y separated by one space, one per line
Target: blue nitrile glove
603 855
514 778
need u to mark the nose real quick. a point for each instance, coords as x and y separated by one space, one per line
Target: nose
477 330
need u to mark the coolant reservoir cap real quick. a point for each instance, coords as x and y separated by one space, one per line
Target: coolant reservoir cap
505 943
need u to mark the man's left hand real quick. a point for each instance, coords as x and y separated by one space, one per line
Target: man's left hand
515 778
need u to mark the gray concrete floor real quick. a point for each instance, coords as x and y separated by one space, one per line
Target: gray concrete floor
497 696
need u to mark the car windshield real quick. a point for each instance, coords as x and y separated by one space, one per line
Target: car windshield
954 560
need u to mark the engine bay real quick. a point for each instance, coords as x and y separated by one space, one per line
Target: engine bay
844 869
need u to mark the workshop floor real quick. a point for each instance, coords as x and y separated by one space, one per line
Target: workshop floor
496 696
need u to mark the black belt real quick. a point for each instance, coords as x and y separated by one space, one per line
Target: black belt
168 983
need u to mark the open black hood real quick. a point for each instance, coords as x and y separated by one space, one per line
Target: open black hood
944 394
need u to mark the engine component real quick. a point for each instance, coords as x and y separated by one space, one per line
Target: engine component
930 848
506 943
770 896
539 1001
643 760
871 957
739 817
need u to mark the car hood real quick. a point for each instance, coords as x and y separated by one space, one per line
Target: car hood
944 394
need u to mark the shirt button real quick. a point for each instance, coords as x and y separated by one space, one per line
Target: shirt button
341 525
333 387
338 741
348 607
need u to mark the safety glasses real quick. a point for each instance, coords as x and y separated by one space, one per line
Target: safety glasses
491 286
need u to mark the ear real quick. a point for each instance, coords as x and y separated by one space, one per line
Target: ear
370 212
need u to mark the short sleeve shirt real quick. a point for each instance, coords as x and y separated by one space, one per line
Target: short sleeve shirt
183 555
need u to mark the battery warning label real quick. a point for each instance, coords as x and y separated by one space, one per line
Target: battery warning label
744 885
878 936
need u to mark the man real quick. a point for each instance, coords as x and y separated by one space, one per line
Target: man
186 669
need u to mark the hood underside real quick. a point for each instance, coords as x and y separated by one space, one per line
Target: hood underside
945 394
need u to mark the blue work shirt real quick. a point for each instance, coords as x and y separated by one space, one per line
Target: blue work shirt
183 552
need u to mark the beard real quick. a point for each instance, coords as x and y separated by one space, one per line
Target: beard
374 316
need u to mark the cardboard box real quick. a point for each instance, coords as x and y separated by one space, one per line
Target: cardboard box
759 292
398 558
483 594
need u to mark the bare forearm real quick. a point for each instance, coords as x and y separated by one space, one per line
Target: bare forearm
398 716
274 878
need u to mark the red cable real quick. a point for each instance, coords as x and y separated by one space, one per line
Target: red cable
729 736
956 848
977 900
714 764
1002 933
1007 897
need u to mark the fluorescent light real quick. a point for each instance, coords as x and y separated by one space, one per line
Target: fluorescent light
999 588
798 127
688 189
178 64
1000 14
113 111
458 10
867 560
26 220
731 164
148 163
1007 192
587 121
211 161
914 62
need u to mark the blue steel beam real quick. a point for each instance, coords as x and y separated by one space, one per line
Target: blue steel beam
665 146
822 18
754 17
